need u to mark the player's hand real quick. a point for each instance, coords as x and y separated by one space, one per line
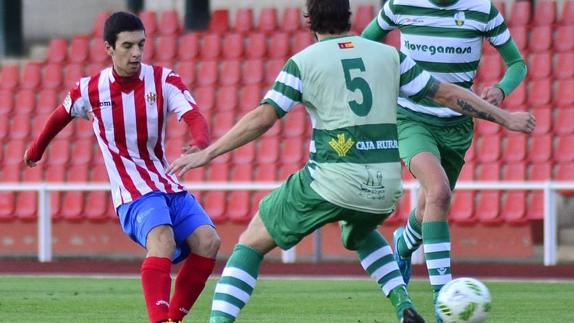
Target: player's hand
188 161
189 149
520 121
492 95
28 161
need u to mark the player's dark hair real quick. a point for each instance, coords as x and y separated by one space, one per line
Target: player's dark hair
118 22
328 16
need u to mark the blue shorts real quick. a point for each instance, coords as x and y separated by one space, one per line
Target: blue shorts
179 210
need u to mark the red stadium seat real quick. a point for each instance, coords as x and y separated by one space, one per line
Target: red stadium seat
4 124
514 172
82 151
218 173
72 206
483 127
256 46
207 73
291 21
292 151
210 47
232 46
149 53
6 106
513 209
543 120
564 151
99 174
96 205
195 175
540 93
245 155
462 209
564 172
253 72
25 102
279 45
267 21
214 203
98 28
186 70
267 150
488 149
174 129
300 41
31 76
535 206
393 39
564 39
58 152
20 127
205 98
564 66
57 51
287 170
98 52
239 210
515 148
564 121
564 93
490 68
544 13
221 123
272 70
84 129
78 173
188 47
166 48
362 17
219 21
94 68
230 72
567 16
27 206
227 98
488 207
10 77
7 206
13 152
295 123
540 172
79 49
52 77
169 23
249 97
266 172
520 13
72 74
11 171
243 20
540 39
489 172
55 173
540 149
540 65
517 98
274 131
242 172
520 36
149 20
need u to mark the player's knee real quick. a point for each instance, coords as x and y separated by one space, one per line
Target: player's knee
439 194
163 247
209 244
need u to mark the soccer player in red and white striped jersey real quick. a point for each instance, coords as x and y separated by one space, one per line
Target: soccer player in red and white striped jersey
128 105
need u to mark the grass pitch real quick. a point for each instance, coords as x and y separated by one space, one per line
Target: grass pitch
83 299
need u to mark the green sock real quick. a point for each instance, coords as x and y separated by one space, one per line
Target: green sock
436 236
377 259
411 238
236 284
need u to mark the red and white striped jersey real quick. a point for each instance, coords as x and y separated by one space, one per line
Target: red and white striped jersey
129 120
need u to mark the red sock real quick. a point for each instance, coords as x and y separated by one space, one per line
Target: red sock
189 284
156 283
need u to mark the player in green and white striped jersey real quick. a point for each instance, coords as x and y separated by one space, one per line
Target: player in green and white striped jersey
445 38
349 86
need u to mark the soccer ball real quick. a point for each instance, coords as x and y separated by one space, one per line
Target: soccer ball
463 300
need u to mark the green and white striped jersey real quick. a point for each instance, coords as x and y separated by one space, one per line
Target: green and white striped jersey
444 40
349 86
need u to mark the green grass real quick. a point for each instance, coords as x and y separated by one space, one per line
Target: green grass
57 299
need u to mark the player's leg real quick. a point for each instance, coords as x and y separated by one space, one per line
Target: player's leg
239 276
147 222
376 258
197 242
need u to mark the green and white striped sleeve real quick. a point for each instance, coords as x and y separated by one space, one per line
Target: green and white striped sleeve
386 18
496 30
287 90
414 81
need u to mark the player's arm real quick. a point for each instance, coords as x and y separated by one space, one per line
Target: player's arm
199 130
416 83
251 126
381 25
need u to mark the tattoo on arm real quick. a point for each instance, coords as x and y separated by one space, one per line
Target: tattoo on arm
433 88
473 111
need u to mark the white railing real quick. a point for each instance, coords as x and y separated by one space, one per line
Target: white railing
45 224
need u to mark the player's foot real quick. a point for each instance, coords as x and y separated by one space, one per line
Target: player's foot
434 297
404 263
411 316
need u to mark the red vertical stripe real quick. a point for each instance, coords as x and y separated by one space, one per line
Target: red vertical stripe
157 75
94 97
142 134
120 132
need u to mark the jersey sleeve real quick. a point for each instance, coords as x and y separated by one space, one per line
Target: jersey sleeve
414 81
74 103
496 30
179 99
287 90
386 17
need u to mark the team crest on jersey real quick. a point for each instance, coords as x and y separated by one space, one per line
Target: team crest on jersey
342 145
150 98
459 18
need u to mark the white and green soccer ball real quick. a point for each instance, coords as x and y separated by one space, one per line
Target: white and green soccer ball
463 300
